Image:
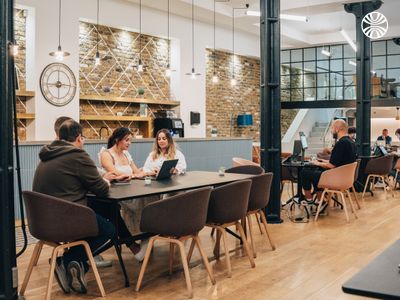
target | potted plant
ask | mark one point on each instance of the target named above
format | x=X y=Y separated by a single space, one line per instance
x=140 y=91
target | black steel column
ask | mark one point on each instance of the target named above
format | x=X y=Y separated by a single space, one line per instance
x=8 y=278
x=270 y=135
x=363 y=55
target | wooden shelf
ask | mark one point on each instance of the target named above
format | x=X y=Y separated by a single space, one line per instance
x=114 y=118
x=25 y=116
x=25 y=93
x=128 y=100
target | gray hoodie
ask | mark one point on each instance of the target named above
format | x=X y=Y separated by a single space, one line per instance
x=67 y=172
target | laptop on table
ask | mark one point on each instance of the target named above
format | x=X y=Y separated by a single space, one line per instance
x=167 y=170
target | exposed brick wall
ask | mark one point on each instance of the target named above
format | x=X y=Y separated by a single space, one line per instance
x=118 y=51
x=20 y=37
x=224 y=102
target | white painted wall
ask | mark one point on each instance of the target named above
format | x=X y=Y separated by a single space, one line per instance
x=123 y=14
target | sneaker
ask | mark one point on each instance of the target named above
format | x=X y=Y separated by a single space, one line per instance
x=76 y=277
x=101 y=262
x=143 y=248
x=61 y=275
x=307 y=202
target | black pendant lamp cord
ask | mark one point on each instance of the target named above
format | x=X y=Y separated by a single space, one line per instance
x=168 y=36
x=140 y=31
x=214 y=42
x=59 y=23
x=97 y=27
x=192 y=34
x=233 y=42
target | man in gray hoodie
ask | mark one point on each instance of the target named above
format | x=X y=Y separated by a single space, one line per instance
x=66 y=171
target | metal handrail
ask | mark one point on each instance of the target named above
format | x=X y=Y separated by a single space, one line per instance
x=323 y=137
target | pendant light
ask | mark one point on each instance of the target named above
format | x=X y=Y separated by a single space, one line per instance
x=215 y=78
x=59 y=54
x=233 y=79
x=97 y=57
x=193 y=74
x=140 y=66
x=168 y=70
x=397 y=114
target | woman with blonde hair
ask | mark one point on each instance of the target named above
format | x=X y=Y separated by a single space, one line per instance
x=164 y=148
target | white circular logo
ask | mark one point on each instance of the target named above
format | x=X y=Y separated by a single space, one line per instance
x=374 y=25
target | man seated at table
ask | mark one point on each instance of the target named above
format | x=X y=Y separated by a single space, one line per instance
x=67 y=172
x=385 y=137
x=343 y=153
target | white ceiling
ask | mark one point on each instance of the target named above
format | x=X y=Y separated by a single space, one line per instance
x=326 y=18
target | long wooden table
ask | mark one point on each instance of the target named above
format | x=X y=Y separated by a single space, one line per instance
x=137 y=189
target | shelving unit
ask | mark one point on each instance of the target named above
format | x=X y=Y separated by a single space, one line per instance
x=101 y=111
x=24 y=116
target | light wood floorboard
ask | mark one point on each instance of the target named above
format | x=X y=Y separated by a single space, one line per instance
x=311 y=261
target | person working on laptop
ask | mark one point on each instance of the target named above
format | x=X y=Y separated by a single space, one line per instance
x=385 y=137
x=343 y=153
x=164 y=148
x=118 y=160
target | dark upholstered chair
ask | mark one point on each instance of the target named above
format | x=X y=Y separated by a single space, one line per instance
x=288 y=175
x=258 y=200
x=174 y=220
x=246 y=169
x=59 y=224
x=228 y=205
x=379 y=168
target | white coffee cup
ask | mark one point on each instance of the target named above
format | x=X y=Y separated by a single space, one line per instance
x=147 y=181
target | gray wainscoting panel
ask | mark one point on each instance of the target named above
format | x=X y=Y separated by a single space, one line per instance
x=200 y=154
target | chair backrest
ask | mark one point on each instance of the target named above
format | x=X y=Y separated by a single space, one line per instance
x=237 y=161
x=288 y=173
x=246 y=169
x=340 y=178
x=397 y=166
x=228 y=203
x=55 y=220
x=380 y=166
x=179 y=215
x=358 y=161
x=260 y=191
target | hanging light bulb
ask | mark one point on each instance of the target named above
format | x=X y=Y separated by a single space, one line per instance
x=97 y=59
x=14 y=48
x=193 y=74
x=397 y=114
x=140 y=66
x=233 y=81
x=215 y=78
x=59 y=54
x=168 y=71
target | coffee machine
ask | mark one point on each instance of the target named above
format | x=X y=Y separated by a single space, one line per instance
x=174 y=125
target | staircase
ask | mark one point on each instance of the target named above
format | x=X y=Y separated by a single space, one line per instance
x=315 y=138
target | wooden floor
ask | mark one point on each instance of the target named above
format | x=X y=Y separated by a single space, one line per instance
x=312 y=261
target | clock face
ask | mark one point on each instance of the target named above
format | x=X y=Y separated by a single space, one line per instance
x=58 y=84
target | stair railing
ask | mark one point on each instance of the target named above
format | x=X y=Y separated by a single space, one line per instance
x=336 y=113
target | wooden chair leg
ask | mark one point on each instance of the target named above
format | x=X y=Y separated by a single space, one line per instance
x=212 y=231
x=355 y=196
x=351 y=204
x=264 y=220
x=367 y=182
x=245 y=244
x=37 y=256
x=320 y=205
x=192 y=244
x=259 y=224
x=185 y=268
x=253 y=246
x=390 y=186
x=34 y=258
x=344 y=205
x=205 y=259
x=145 y=262
x=217 y=245
x=51 y=272
x=94 y=268
x=227 y=256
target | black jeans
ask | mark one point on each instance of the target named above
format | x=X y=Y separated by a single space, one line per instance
x=107 y=210
x=106 y=233
x=310 y=177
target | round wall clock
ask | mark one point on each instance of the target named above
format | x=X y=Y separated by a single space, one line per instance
x=58 y=84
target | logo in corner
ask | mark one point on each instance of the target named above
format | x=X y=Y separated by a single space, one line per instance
x=374 y=25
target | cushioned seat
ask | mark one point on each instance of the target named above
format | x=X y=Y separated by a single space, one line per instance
x=379 y=168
